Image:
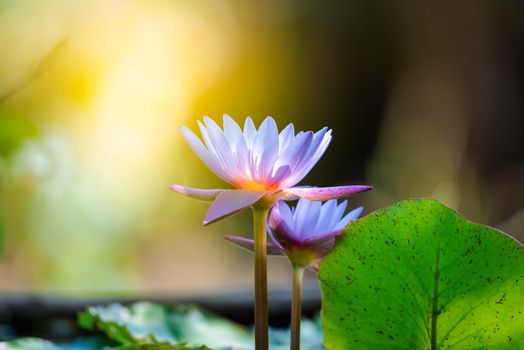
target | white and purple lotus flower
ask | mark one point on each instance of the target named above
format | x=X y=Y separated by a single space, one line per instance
x=262 y=165
x=305 y=233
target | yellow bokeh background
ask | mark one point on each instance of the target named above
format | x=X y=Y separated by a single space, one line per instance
x=92 y=95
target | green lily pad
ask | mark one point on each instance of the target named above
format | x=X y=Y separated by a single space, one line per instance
x=144 y=323
x=151 y=324
x=417 y=275
x=140 y=323
x=87 y=343
x=158 y=347
x=28 y=344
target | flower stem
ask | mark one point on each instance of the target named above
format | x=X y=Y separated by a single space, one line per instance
x=296 y=307
x=261 y=309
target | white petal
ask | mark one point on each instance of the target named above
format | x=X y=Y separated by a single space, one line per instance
x=238 y=144
x=229 y=202
x=232 y=131
x=285 y=212
x=280 y=174
x=310 y=222
x=285 y=137
x=294 y=154
x=249 y=132
x=209 y=158
x=207 y=139
x=336 y=215
x=221 y=146
x=316 y=149
x=265 y=148
x=325 y=214
x=197 y=193
x=300 y=215
x=351 y=216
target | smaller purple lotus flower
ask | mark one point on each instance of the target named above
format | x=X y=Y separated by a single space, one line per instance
x=305 y=233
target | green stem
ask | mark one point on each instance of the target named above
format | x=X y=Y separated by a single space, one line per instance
x=261 y=309
x=296 y=307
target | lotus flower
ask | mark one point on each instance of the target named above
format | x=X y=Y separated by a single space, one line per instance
x=262 y=165
x=305 y=233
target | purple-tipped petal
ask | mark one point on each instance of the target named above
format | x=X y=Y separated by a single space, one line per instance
x=323 y=193
x=323 y=243
x=229 y=202
x=294 y=152
x=280 y=174
x=197 y=193
x=249 y=244
x=279 y=230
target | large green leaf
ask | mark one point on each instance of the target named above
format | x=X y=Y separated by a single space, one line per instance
x=417 y=275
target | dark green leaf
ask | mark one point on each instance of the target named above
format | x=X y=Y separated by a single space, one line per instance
x=419 y=276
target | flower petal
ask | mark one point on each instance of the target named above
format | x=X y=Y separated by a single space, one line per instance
x=323 y=193
x=316 y=149
x=236 y=140
x=249 y=132
x=326 y=212
x=293 y=155
x=229 y=202
x=197 y=193
x=221 y=145
x=249 y=244
x=208 y=157
x=280 y=174
x=280 y=231
x=265 y=149
x=354 y=214
x=285 y=137
x=323 y=243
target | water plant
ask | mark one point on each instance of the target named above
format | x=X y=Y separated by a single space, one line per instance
x=305 y=234
x=414 y=275
x=263 y=165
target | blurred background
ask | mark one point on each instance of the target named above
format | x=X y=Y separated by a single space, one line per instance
x=425 y=100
